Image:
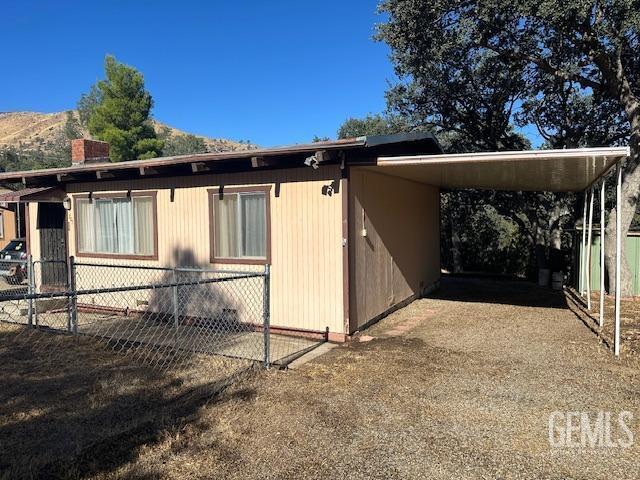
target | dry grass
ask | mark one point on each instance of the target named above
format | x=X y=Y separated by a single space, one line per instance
x=629 y=322
x=70 y=406
x=465 y=393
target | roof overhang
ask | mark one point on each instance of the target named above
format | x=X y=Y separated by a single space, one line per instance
x=357 y=150
x=39 y=194
x=570 y=170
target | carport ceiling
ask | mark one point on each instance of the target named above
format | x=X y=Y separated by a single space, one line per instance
x=536 y=170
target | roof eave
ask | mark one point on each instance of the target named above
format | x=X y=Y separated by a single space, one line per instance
x=238 y=160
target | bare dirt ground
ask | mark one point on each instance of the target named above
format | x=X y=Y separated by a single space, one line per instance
x=460 y=385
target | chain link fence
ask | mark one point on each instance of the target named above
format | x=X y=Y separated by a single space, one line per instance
x=101 y=356
x=13 y=276
x=162 y=317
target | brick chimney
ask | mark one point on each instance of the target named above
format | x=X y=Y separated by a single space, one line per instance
x=84 y=150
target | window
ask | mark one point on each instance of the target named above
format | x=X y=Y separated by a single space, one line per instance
x=117 y=225
x=240 y=225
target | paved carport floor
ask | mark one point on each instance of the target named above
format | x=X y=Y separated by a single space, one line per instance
x=456 y=386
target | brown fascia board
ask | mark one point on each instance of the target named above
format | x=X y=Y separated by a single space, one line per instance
x=242 y=155
x=362 y=147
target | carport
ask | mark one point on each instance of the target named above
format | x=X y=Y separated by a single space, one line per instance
x=570 y=170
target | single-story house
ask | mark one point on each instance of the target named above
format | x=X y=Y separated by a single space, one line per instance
x=350 y=228
x=344 y=244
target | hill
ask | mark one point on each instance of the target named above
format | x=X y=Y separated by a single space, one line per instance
x=30 y=131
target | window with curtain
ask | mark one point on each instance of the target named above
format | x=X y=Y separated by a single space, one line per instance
x=119 y=226
x=240 y=226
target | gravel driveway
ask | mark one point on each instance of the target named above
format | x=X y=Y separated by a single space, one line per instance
x=460 y=385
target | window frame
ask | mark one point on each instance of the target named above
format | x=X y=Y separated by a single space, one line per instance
x=153 y=194
x=220 y=192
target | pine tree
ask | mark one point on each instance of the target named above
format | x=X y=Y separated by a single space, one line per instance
x=120 y=113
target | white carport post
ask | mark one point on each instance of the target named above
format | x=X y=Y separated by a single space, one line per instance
x=602 y=268
x=588 y=257
x=583 y=252
x=616 y=342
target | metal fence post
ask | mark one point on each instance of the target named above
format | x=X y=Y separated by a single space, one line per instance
x=30 y=288
x=265 y=315
x=176 y=321
x=73 y=298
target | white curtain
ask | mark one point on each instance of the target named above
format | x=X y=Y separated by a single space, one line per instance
x=226 y=226
x=123 y=220
x=86 y=239
x=105 y=228
x=119 y=225
x=253 y=225
x=143 y=225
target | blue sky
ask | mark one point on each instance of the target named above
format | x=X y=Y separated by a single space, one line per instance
x=273 y=72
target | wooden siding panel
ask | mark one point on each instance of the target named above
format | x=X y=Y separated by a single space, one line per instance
x=306 y=237
x=400 y=255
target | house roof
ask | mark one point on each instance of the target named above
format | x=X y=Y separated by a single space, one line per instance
x=360 y=149
x=33 y=193
x=569 y=170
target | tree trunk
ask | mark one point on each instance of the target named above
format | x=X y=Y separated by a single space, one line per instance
x=630 y=189
x=455 y=248
x=540 y=247
x=555 y=247
x=555 y=239
x=630 y=186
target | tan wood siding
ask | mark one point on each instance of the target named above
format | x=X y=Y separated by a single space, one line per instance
x=400 y=255
x=306 y=236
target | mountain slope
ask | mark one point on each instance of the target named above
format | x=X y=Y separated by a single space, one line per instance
x=42 y=131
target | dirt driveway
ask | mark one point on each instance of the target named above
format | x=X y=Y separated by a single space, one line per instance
x=460 y=385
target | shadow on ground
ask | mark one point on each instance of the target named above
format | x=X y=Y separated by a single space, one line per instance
x=483 y=290
x=76 y=410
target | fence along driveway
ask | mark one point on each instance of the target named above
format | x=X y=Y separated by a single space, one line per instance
x=163 y=317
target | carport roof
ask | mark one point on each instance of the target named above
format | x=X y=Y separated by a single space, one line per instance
x=571 y=170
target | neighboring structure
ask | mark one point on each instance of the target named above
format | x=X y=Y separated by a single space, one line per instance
x=8 y=219
x=631 y=251
x=7 y=225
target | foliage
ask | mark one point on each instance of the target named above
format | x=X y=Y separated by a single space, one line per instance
x=62 y=143
x=487 y=241
x=117 y=110
x=567 y=117
x=555 y=56
x=373 y=125
x=12 y=160
x=87 y=103
x=181 y=144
